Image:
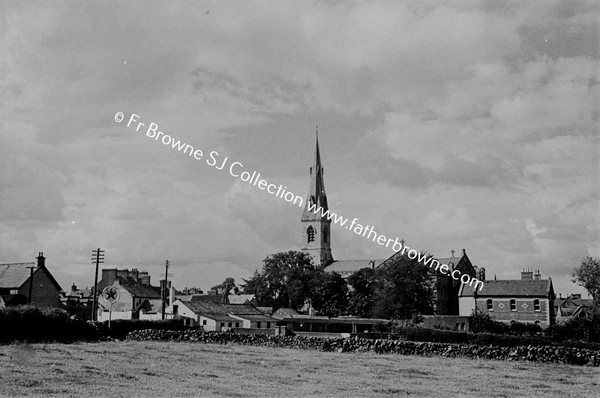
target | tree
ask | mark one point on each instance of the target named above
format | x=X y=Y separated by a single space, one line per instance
x=405 y=290
x=226 y=287
x=285 y=280
x=588 y=276
x=329 y=293
x=364 y=285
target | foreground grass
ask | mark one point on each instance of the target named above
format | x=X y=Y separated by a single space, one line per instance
x=159 y=369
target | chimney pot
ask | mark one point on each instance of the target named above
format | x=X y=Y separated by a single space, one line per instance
x=41 y=260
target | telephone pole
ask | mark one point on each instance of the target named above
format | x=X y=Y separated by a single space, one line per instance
x=165 y=290
x=98 y=258
x=30 y=283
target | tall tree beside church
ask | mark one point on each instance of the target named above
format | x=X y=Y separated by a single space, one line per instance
x=405 y=291
x=588 y=276
x=364 y=285
x=284 y=281
x=329 y=293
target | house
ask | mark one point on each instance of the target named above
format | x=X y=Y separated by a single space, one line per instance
x=78 y=302
x=528 y=300
x=31 y=282
x=572 y=307
x=218 y=317
x=138 y=299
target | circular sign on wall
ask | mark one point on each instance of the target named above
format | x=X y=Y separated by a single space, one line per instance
x=110 y=294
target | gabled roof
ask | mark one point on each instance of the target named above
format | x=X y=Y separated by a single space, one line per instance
x=14 y=275
x=152 y=306
x=510 y=288
x=137 y=289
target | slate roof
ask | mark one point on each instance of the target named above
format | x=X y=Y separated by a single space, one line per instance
x=223 y=311
x=352 y=265
x=510 y=288
x=137 y=289
x=14 y=275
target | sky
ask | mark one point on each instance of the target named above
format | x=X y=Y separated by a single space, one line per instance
x=453 y=125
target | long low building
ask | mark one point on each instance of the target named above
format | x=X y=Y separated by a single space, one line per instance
x=299 y=323
x=218 y=317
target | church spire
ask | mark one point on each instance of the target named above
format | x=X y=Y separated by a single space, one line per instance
x=316 y=189
x=316 y=227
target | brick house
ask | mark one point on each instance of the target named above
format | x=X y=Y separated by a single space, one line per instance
x=22 y=283
x=528 y=300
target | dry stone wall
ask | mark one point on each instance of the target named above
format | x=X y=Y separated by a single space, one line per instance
x=565 y=355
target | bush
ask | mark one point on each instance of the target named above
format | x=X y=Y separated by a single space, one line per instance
x=31 y=324
x=576 y=329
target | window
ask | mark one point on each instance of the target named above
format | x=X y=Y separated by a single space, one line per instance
x=14 y=291
x=204 y=322
x=175 y=308
x=237 y=324
x=258 y=325
x=513 y=305
x=310 y=233
x=536 y=305
x=268 y=325
x=325 y=233
x=229 y=324
x=490 y=305
x=222 y=324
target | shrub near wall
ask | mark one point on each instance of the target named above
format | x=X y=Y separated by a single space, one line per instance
x=33 y=324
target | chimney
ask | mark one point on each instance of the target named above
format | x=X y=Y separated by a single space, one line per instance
x=171 y=295
x=73 y=288
x=537 y=275
x=109 y=276
x=41 y=260
x=144 y=278
x=464 y=252
x=527 y=274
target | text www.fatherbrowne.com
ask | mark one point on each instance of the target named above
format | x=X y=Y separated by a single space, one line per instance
x=236 y=170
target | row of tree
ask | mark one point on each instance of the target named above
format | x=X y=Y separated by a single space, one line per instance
x=291 y=280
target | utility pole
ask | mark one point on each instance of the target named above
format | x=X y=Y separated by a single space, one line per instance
x=98 y=258
x=164 y=290
x=30 y=283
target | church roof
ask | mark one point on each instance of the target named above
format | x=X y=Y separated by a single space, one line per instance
x=510 y=288
x=352 y=265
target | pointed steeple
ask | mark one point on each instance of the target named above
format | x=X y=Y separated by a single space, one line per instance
x=316 y=227
x=316 y=189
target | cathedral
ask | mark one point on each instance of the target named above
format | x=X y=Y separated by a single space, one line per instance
x=316 y=240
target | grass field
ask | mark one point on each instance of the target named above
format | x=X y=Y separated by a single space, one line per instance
x=158 y=369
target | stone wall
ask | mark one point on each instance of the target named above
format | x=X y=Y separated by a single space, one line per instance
x=565 y=355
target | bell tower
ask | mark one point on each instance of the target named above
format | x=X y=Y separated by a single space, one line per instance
x=316 y=227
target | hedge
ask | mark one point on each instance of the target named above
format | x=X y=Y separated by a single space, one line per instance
x=31 y=324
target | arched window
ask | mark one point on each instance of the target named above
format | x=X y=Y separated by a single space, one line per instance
x=310 y=233
x=490 y=305
x=325 y=234
x=513 y=305
x=536 y=305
